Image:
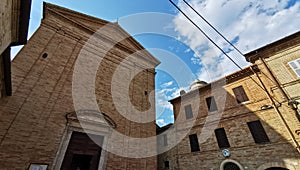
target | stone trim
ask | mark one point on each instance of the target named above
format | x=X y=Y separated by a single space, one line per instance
x=90 y=120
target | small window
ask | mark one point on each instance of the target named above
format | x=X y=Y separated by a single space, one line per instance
x=240 y=94
x=165 y=138
x=188 y=111
x=167 y=164
x=211 y=104
x=295 y=65
x=258 y=132
x=222 y=138
x=45 y=55
x=194 y=143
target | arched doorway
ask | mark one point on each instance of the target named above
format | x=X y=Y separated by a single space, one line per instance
x=276 y=168
x=231 y=166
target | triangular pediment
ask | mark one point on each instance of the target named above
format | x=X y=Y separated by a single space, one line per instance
x=114 y=31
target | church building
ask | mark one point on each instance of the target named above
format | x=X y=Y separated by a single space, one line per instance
x=82 y=90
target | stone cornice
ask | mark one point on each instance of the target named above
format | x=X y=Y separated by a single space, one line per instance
x=274 y=48
x=246 y=72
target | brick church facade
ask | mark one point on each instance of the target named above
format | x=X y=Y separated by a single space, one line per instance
x=41 y=125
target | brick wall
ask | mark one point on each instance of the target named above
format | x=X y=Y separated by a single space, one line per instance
x=33 y=120
x=233 y=118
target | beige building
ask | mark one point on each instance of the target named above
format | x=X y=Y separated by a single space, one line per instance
x=14 y=19
x=79 y=77
x=242 y=121
x=281 y=60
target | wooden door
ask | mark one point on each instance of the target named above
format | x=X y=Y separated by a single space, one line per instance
x=82 y=152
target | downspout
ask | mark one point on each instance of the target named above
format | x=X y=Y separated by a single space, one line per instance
x=291 y=103
x=279 y=114
x=274 y=79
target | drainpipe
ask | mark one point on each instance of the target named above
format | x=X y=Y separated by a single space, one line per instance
x=280 y=115
x=292 y=103
x=274 y=79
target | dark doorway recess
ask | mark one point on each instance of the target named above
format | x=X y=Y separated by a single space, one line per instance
x=231 y=166
x=82 y=152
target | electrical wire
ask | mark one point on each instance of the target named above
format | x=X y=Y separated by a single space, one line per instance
x=218 y=32
x=212 y=41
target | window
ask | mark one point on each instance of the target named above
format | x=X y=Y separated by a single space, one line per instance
x=167 y=164
x=240 y=94
x=222 y=138
x=188 y=111
x=165 y=138
x=258 y=132
x=211 y=104
x=194 y=143
x=295 y=65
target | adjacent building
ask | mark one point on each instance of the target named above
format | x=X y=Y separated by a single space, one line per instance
x=78 y=84
x=14 y=18
x=246 y=120
x=281 y=61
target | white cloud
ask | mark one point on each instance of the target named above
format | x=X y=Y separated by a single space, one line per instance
x=251 y=23
x=164 y=95
x=161 y=122
x=167 y=84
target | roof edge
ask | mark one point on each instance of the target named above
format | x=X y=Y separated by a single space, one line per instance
x=273 y=47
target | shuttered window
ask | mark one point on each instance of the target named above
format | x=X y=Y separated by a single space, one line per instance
x=295 y=65
x=222 y=138
x=194 y=143
x=211 y=104
x=188 y=111
x=167 y=164
x=240 y=94
x=258 y=132
x=165 y=138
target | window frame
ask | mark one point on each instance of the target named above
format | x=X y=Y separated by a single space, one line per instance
x=194 y=143
x=211 y=104
x=297 y=63
x=165 y=140
x=240 y=94
x=167 y=164
x=222 y=138
x=258 y=132
x=188 y=112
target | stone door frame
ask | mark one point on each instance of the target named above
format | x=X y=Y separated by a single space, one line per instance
x=85 y=122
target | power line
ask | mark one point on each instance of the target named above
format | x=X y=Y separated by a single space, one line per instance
x=213 y=28
x=212 y=41
x=230 y=43
x=206 y=35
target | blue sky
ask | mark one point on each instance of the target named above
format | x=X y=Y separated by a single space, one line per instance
x=185 y=53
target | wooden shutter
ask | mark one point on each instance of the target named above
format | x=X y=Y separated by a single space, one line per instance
x=258 y=132
x=165 y=138
x=194 y=143
x=222 y=138
x=211 y=104
x=240 y=94
x=188 y=111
